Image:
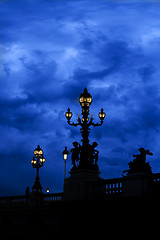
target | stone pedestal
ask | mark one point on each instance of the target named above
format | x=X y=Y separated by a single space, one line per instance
x=36 y=199
x=137 y=184
x=75 y=186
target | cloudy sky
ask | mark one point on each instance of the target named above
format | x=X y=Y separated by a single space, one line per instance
x=50 y=50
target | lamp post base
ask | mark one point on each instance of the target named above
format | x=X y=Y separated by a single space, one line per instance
x=37 y=185
x=75 y=186
x=137 y=184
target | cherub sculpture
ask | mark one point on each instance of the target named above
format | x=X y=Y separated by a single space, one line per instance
x=93 y=154
x=75 y=153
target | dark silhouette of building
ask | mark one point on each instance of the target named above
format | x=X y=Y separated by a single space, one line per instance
x=88 y=204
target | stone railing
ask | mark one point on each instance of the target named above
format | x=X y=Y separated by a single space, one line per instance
x=156 y=177
x=101 y=189
x=156 y=184
x=49 y=198
x=12 y=201
x=104 y=188
x=23 y=201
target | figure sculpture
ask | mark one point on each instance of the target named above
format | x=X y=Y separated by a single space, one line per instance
x=80 y=153
x=139 y=163
x=93 y=154
x=75 y=153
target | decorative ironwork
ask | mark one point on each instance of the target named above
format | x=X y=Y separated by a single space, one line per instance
x=85 y=155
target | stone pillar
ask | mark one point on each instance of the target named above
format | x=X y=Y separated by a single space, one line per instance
x=137 y=184
x=75 y=186
x=36 y=199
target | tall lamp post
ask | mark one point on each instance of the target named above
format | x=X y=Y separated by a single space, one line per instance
x=37 y=162
x=85 y=155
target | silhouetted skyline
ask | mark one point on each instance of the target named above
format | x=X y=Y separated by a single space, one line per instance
x=51 y=51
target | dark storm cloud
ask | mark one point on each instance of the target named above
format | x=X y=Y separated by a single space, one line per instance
x=84 y=74
x=40 y=78
x=146 y=72
x=112 y=54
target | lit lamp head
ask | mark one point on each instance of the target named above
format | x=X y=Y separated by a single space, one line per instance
x=38 y=151
x=68 y=114
x=65 y=153
x=42 y=159
x=33 y=161
x=85 y=98
x=47 y=189
x=102 y=115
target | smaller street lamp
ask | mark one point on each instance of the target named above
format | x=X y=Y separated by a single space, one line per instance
x=65 y=156
x=102 y=115
x=37 y=162
x=68 y=114
x=47 y=189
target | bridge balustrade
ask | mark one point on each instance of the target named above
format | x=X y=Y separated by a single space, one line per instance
x=22 y=201
x=105 y=188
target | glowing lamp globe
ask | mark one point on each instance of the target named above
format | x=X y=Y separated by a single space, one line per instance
x=102 y=114
x=85 y=98
x=38 y=151
x=33 y=162
x=65 y=153
x=42 y=159
x=68 y=114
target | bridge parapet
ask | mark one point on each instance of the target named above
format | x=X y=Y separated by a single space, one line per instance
x=105 y=188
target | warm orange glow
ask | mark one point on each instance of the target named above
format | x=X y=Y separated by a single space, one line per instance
x=81 y=100
x=85 y=98
x=89 y=99
x=86 y=119
x=38 y=151
x=102 y=114
x=42 y=160
x=68 y=114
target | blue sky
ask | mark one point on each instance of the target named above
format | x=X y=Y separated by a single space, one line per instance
x=49 y=52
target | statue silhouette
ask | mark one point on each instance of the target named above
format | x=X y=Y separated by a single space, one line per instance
x=75 y=153
x=93 y=154
x=139 y=163
x=27 y=192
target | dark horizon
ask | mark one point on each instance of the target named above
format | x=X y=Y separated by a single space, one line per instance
x=51 y=51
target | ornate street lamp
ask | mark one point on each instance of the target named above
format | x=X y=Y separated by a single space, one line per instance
x=65 y=156
x=102 y=115
x=37 y=162
x=85 y=155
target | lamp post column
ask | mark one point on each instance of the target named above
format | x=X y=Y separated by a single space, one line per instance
x=37 y=185
x=64 y=169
